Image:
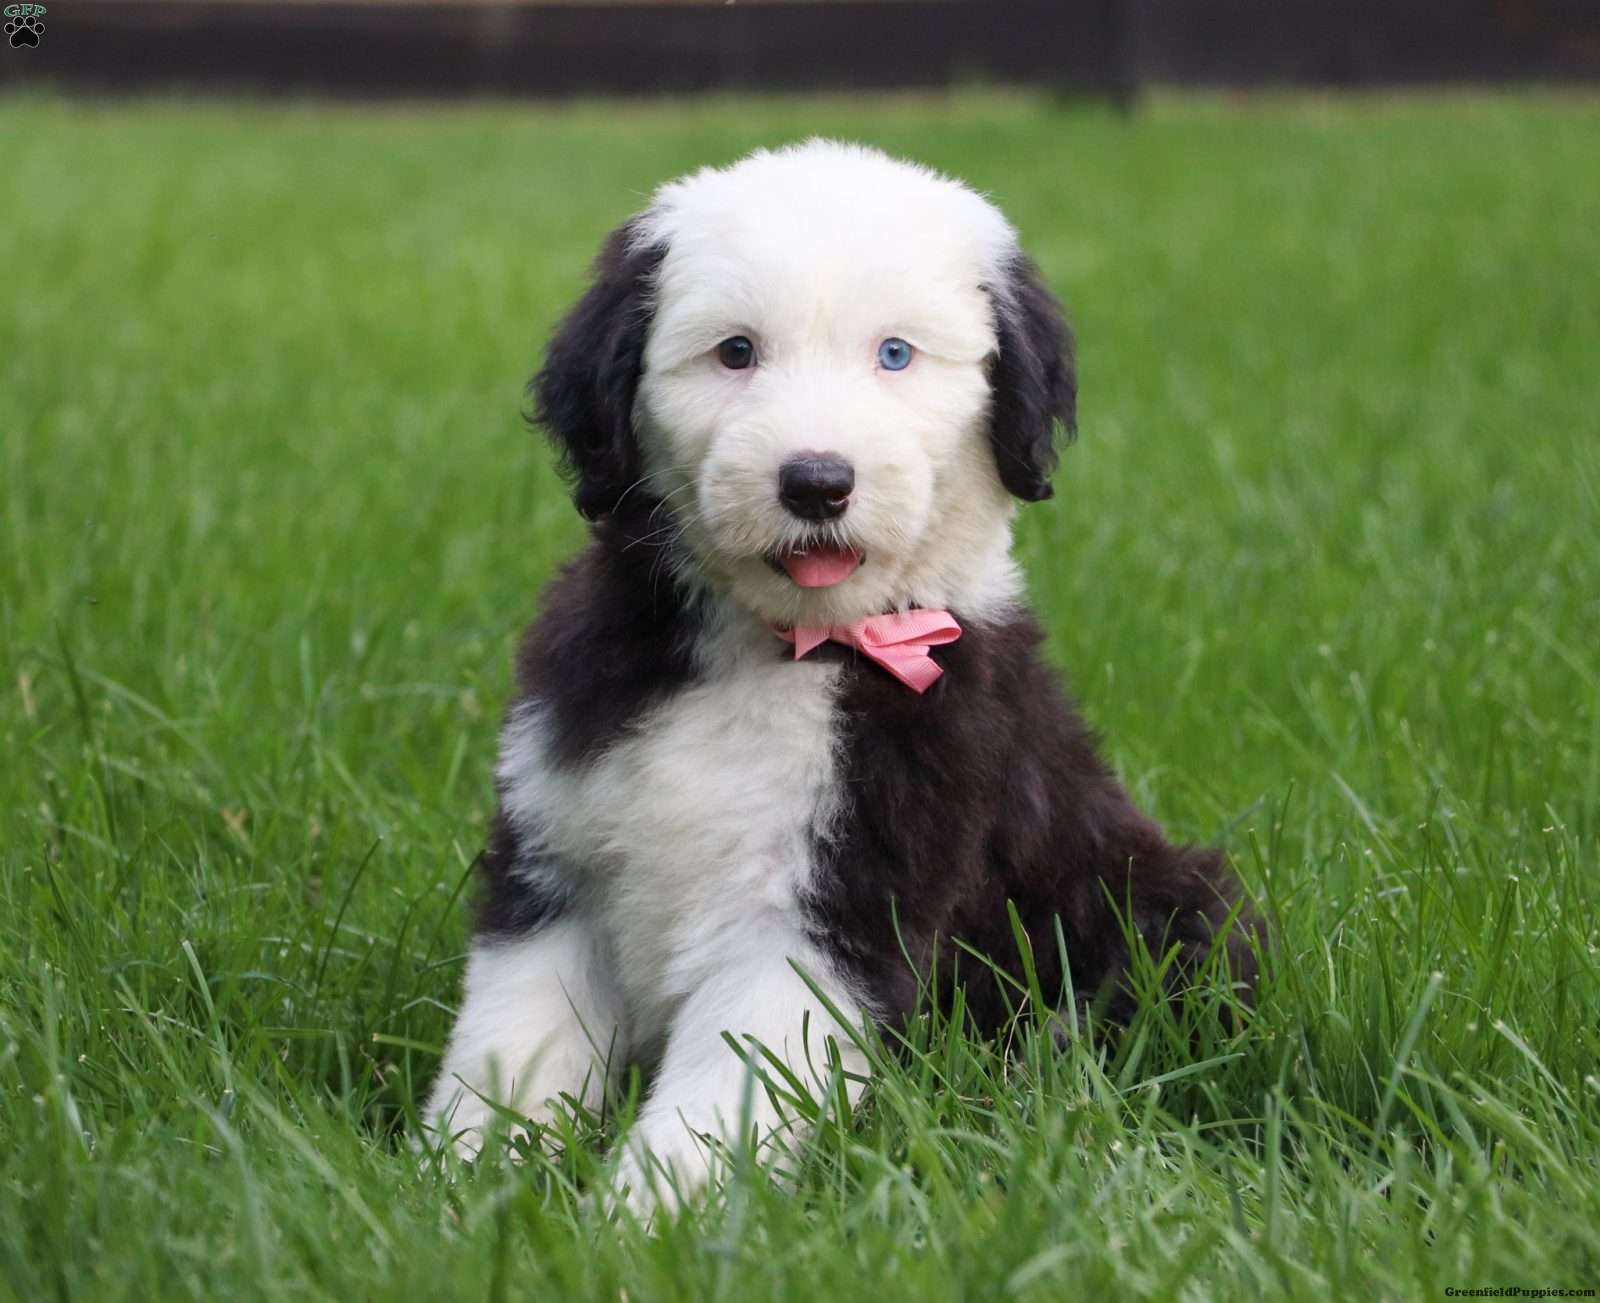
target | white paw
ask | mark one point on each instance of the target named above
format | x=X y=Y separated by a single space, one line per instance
x=661 y=1169
x=469 y=1122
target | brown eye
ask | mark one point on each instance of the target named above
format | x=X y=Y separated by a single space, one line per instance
x=736 y=353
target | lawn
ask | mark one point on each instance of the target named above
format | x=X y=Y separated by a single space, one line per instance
x=1324 y=565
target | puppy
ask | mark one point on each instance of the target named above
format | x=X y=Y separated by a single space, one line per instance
x=784 y=746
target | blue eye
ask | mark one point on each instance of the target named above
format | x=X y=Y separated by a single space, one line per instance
x=894 y=354
x=736 y=353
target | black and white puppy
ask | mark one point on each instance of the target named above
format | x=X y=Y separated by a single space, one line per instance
x=799 y=402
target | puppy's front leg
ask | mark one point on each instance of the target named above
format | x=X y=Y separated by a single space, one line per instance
x=541 y=1017
x=700 y=1090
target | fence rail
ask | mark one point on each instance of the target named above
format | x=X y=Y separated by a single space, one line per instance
x=1099 y=47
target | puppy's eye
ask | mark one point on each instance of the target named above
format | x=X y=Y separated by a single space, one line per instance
x=894 y=354
x=736 y=353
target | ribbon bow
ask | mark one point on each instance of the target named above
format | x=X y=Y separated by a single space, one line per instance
x=898 y=641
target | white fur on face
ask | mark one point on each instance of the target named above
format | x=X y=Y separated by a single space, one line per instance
x=818 y=253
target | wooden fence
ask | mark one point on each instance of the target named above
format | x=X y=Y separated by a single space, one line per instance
x=1097 y=47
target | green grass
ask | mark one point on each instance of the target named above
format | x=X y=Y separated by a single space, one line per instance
x=1325 y=566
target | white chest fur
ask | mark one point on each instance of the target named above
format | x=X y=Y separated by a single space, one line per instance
x=689 y=839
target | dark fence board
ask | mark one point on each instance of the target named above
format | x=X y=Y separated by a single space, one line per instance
x=357 y=49
x=1365 y=42
x=1106 y=47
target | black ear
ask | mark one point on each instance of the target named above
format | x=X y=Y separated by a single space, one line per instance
x=584 y=394
x=1032 y=378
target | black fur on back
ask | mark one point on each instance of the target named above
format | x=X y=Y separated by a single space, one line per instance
x=988 y=788
x=1033 y=379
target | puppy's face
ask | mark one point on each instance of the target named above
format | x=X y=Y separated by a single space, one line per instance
x=832 y=369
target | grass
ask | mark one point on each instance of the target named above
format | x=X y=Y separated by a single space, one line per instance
x=1325 y=566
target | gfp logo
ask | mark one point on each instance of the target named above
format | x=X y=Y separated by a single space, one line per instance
x=25 y=24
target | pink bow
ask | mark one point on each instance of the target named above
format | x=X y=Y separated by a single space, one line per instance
x=898 y=641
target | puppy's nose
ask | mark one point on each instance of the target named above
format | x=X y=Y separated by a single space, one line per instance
x=816 y=485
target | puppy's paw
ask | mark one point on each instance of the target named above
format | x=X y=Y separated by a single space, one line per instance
x=468 y=1123
x=660 y=1170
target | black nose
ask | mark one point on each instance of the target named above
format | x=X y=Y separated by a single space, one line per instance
x=816 y=485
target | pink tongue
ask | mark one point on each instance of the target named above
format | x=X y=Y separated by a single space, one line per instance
x=821 y=567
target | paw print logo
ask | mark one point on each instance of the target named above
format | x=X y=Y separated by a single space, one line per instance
x=25 y=31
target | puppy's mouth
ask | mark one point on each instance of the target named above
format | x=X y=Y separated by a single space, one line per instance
x=817 y=565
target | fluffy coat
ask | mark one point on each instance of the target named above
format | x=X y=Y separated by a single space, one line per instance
x=698 y=833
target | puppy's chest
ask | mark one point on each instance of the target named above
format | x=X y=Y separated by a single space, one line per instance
x=694 y=829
